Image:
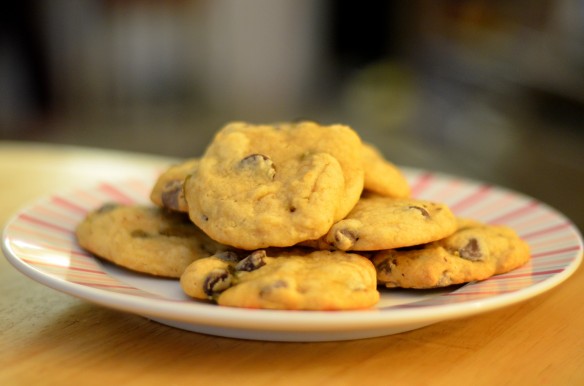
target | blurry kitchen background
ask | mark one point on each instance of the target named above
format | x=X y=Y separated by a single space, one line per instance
x=491 y=90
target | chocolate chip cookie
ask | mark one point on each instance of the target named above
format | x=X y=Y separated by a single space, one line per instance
x=381 y=176
x=168 y=191
x=474 y=252
x=378 y=223
x=284 y=279
x=261 y=186
x=144 y=239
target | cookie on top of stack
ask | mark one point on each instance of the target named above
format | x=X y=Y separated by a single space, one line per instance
x=295 y=216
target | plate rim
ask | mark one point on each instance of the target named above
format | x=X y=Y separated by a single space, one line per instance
x=294 y=321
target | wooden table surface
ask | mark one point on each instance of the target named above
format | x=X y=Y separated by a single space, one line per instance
x=49 y=338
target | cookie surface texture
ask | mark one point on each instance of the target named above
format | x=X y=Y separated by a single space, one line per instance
x=168 y=191
x=259 y=186
x=474 y=252
x=144 y=239
x=378 y=223
x=290 y=280
x=381 y=176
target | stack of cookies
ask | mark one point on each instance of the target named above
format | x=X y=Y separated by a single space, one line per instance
x=295 y=216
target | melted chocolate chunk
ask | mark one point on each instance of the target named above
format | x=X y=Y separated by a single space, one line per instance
x=252 y=262
x=171 y=194
x=217 y=281
x=345 y=239
x=108 y=207
x=386 y=266
x=253 y=159
x=471 y=251
x=422 y=210
x=228 y=256
x=265 y=291
x=259 y=162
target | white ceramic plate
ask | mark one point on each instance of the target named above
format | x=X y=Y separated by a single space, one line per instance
x=39 y=241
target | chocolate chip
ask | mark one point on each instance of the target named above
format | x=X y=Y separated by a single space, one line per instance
x=385 y=266
x=217 y=280
x=266 y=290
x=176 y=232
x=171 y=192
x=345 y=239
x=471 y=251
x=140 y=234
x=252 y=261
x=259 y=162
x=228 y=256
x=107 y=207
x=422 y=210
x=254 y=158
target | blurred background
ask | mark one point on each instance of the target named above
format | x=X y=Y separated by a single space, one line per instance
x=486 y=89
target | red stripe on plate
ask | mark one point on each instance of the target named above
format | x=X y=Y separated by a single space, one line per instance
x=115 y=193
x=527 y=274
x=57 y=216
x=516 y=212
x=472 y=198
x=45 y=224
x=69 y=267
x=546 y=230
x=548 y=253
x=446 y=190
x=37 y=233
x=81 y=253
x=482 y=293
x=106 y=285
x=555 y=241
x=421 y=183
x=490 y=207
x=68 y=204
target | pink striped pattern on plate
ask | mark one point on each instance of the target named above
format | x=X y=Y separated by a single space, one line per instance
x=555 y=243
x=42 y=237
